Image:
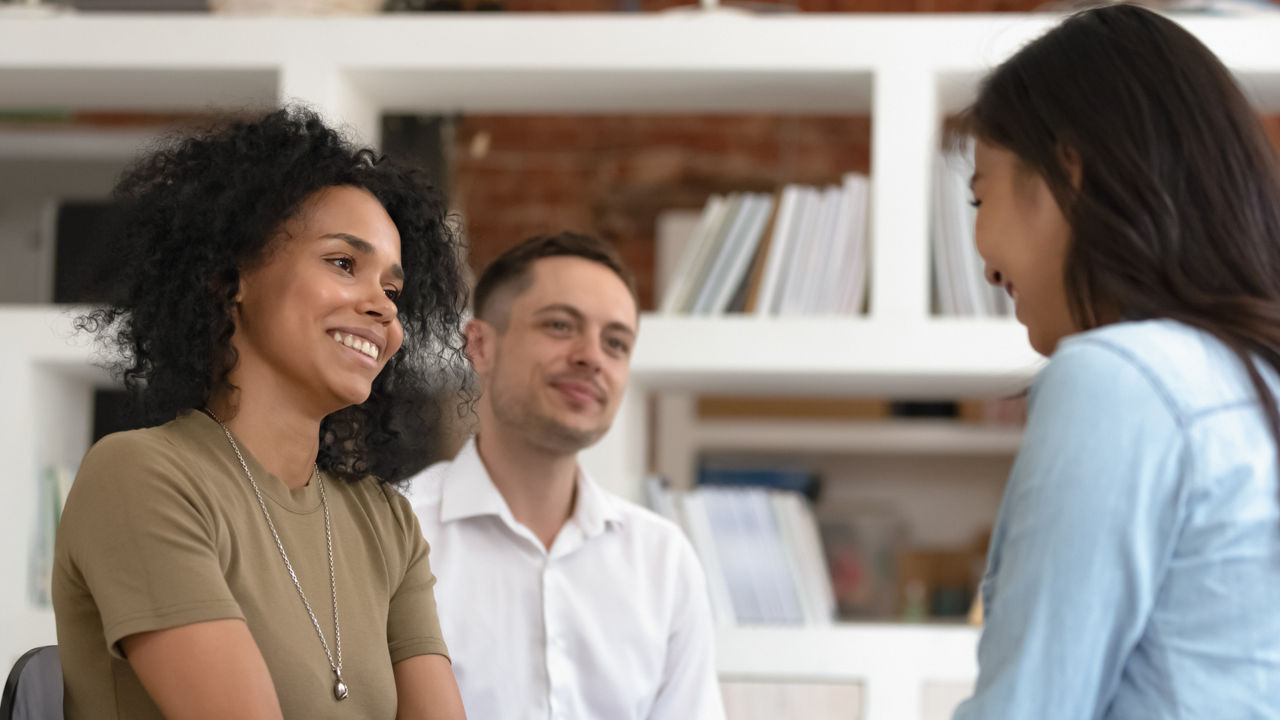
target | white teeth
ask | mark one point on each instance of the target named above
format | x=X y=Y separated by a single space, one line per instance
x=356 y=343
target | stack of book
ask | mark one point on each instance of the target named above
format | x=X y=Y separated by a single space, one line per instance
x=761 y=551
x=960 y=286
x=800 y=252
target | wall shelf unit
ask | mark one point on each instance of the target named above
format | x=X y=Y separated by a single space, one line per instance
x=907 y=72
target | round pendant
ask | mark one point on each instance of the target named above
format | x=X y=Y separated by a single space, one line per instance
x=339 y=689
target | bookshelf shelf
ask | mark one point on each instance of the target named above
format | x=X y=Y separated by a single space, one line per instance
x=874 y=357
x=860 y=437
x=78 y=145
x=907 y=72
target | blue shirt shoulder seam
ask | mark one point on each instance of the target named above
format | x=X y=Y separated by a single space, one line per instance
x=1153 y=379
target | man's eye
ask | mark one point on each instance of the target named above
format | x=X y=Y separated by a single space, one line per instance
x=975 y=202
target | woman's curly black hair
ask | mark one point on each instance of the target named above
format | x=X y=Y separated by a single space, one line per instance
x=204 y=208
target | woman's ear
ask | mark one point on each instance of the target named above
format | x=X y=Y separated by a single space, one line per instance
x=1070 y=160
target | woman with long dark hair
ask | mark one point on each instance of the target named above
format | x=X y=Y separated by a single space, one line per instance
x=284 y=298
x=1129 y=201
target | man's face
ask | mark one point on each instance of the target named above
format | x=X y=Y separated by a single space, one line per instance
x=556 y=373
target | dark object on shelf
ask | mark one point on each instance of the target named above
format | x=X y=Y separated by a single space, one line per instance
x=442 y=6
x=114 y=411
x=84 y=258
x=924 y=409
x=423 y=141
x=140 y=5
x=801 y=481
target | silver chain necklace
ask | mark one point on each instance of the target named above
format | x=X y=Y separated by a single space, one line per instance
x=339 y=687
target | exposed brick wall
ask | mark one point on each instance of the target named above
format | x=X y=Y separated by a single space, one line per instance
x=613 y=175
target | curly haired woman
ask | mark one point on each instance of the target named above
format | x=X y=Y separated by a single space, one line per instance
x=283 y=295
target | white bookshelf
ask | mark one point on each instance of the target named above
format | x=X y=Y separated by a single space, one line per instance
x=906 y=71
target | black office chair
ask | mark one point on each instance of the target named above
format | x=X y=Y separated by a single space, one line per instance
x=34 y=688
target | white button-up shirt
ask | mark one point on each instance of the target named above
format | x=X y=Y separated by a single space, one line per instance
x=611 y=623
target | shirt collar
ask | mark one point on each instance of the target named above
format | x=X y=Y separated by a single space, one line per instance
x=468 y=492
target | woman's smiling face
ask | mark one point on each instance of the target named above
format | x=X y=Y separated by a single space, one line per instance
x=318 y=317
x=1023 y=237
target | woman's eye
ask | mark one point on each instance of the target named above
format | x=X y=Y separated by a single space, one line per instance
x=345 y=264
x=975 y=202
x=392 y=294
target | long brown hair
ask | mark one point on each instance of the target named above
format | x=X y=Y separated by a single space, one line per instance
x=1177 y=211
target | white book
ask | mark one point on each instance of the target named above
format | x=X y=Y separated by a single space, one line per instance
x=834 y=278
x=857 y=264
x=806 y=539
x=778 y=580
x=698 y=526
x=798 y=269
x=710 y=249
x=942 y=261
x=823 y=248
x=717 y=273
x=694 y=247
x=753 y=542
x=792 y=552
x=744 y=250
x=775 y=263
x=733 y=544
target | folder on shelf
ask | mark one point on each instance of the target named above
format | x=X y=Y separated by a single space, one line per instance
x=780 y=250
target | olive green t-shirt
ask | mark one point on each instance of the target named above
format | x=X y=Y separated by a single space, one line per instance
x=162 y=529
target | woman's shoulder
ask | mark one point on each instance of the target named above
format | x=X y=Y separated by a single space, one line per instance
x=138 y=454
x=1183 y=366
x=382 y=502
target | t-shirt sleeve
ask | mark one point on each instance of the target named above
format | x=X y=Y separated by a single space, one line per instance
x=413 y=627
x=143 y=541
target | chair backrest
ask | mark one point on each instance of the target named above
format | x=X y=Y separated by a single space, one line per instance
x=34 y=688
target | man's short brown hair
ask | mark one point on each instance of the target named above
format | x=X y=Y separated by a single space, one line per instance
x=510 y=272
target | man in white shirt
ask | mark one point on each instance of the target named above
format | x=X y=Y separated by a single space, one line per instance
x=558 y=599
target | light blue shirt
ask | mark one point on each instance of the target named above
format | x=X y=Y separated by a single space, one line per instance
x=1134 y=569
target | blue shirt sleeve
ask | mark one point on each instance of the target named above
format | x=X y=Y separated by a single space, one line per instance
x=1084 y=534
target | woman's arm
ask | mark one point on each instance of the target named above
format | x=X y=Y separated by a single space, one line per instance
x=204 y=671
x=427 y=690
